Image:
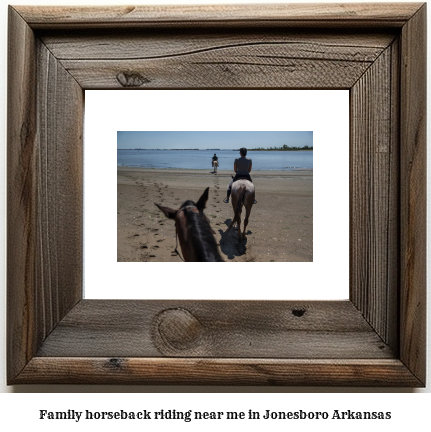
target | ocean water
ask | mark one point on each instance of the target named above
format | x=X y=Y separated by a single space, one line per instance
x=201 y=159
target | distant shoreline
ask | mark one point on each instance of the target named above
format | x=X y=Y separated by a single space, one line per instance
x=201 y=159
x=235 y=150
x=220 y=171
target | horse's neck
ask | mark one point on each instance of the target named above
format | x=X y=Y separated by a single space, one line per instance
x=204 y=244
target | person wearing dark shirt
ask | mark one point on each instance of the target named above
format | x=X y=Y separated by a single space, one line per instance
x=242 y=167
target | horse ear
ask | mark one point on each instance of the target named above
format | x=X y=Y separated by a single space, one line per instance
x=170 y=213
x=203 y=200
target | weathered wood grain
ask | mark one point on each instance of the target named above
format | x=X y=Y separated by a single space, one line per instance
x=251 y=66
x=140 y=44
x=233 y=70
x=413 y=194
x=210 y=60
x=45 y=106
x=227 y=329
x=301 y=15
x=329 y=372
x=21 y=197
x=59 y=184
x=374 y=194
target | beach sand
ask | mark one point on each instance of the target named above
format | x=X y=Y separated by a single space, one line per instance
x=280 y=228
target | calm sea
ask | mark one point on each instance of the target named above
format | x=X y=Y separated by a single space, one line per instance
x=201 y=159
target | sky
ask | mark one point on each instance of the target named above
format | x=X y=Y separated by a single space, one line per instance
x=211 y=140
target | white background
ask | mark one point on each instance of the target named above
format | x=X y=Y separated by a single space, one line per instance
x=21 y=410
x=326 y=113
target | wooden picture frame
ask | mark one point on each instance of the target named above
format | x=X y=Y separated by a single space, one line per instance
x=376 y=338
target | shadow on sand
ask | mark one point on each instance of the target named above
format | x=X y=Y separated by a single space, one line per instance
x=229 y=244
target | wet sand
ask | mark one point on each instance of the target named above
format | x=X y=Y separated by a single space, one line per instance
x=280 y=228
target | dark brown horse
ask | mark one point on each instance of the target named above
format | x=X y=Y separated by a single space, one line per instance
x=194 y=231
x=242 y=195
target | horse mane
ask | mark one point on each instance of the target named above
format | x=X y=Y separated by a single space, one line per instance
x=200 y=234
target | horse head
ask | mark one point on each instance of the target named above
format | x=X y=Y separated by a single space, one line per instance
x=193 y=229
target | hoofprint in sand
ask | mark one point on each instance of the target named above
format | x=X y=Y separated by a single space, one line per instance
x=280 y=228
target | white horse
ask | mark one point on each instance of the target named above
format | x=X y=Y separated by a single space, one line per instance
x=215 y=165
x=243 y=194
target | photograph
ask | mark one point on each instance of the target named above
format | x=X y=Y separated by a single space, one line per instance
x=214 y=196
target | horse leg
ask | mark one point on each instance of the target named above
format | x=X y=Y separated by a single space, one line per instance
x=239 y=225
x=234 y=200
x=229 y=227
x=247 y=214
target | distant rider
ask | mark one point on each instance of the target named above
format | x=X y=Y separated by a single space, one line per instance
x=215 y=158
x=242 y=168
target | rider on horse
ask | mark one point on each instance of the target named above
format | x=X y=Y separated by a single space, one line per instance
x=242 y=168
x=215 y=158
